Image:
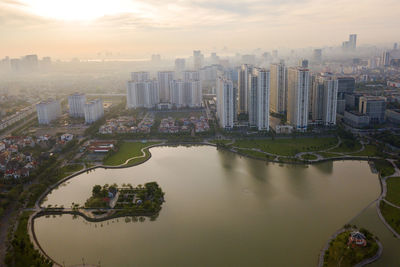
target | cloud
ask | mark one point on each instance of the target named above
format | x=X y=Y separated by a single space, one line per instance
x=209 y=23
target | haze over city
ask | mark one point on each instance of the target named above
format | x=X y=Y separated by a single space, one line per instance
x=199 y=133
x=136 y=29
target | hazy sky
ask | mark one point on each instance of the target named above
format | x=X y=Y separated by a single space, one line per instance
x=138 y=28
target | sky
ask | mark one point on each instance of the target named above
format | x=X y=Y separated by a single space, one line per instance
x=139 y=28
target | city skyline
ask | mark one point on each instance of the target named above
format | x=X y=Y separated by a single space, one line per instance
x=137 y=29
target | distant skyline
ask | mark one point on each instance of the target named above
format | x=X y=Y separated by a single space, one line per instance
x=73 y=28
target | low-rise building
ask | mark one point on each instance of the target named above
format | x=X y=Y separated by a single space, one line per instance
x=356 y=119
x=67 y=137
x=374 y=107
x=101 y=146
x=278 y=127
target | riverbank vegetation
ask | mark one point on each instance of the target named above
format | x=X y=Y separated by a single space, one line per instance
x=341 y=253
x=127 y=150
x=393 y=190
x=142 y=199
x=309 y=157
x=101 y=196
x=127 y=199
x=22 y=252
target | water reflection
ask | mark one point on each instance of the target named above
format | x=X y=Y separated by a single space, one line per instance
x=236 y=211
x=324 y=167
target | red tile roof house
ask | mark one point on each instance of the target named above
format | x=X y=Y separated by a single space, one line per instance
x=357 y=239
x=101 y=146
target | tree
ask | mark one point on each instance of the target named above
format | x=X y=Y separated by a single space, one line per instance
x=96 y=190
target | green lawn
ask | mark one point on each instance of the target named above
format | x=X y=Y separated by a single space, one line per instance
x=328 y=155
x=393 y=190
x=288 y=147
x=221 y=141
x=384 y=167
x=256 y=154
x=309 y=157
x=369 y=150
x=339 y=254
x=71 y=168
x=128 y=150
x=392 y=215
x=347 y=146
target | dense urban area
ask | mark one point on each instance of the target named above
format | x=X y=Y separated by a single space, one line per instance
x=59 y=118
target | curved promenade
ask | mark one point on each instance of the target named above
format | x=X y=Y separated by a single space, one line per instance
x=40 y=211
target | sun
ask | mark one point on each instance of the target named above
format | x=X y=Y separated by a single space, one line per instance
x=78 y=10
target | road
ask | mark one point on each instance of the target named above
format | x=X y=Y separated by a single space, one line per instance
x=9 y=131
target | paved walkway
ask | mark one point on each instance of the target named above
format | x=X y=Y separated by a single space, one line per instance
x=383 y=196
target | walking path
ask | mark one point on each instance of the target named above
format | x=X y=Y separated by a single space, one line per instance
x=383 y=196
x=38 y=208
x=377 y=201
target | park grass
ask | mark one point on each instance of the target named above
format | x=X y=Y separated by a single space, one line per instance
x=309 y=157
x=347 y=147
x=392 y=215
x=126 y=151
x=288 y=147
x=393 y=190
x=71 y=168
x=328 y=155
x=221 y=141
x=369 y=151
x=384 y=167
x=339 y=254
x=256 y=154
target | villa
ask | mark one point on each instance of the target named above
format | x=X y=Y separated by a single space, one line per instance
x=357 y=239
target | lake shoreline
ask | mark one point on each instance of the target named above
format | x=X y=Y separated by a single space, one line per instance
x=39 y=210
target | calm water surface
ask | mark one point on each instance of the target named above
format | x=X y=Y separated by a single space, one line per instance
x=220 y=210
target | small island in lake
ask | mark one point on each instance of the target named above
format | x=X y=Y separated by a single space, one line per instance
x=351 y=247
x=140 y=200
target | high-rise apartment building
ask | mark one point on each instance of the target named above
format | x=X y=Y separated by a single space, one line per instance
x=259 y=81
x=243 y=85
x=164 y=80
x=385 y=60
x=48 y=110
x=278 y=87
x=140 y=76
x=346 y=85
x=142 y=94
x=76 y=102
x=298 y=89
x=351 y=44
x=180 y=65
x=198 y=59
x=324 y=91
x=353 y=41
x=225 y=103
x=190 y=75
x=186 y=93
x=93 y=110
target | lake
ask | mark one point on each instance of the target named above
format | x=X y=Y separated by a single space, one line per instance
x=221 y=209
